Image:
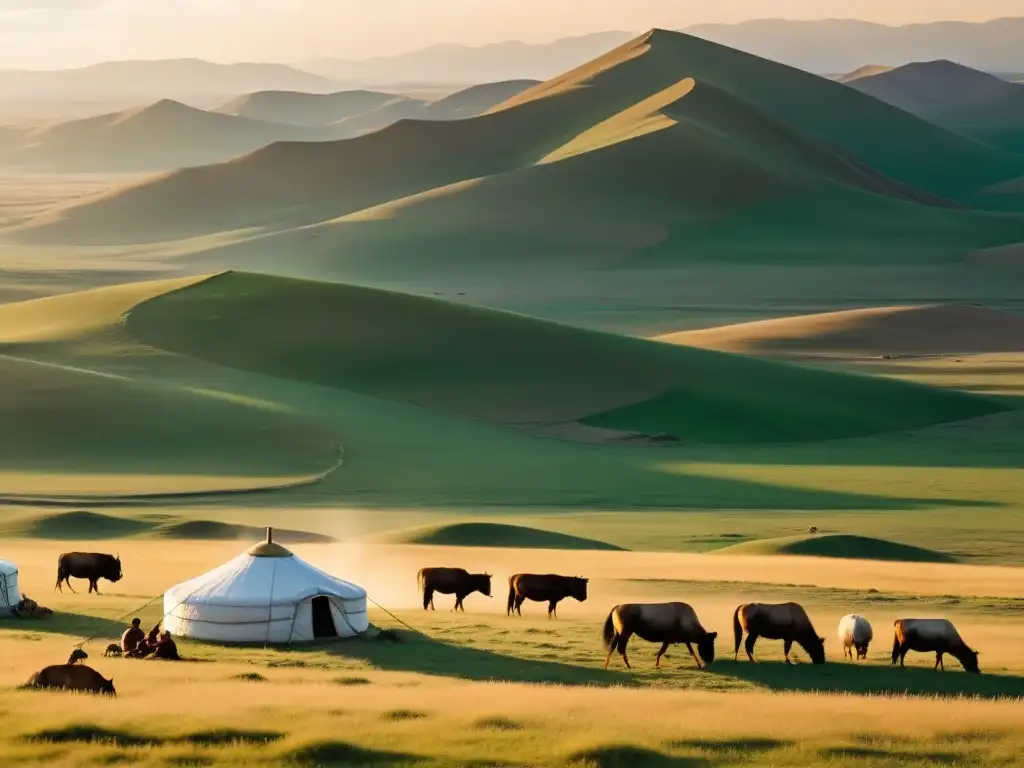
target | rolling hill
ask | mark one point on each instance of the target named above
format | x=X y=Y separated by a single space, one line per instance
x=868 y=70
x=312 y=109
x=628 y=130
x=512 y=369
x=145 y=81
x=909 y=331
x=354 y=112
x=975 y=103
x=161 y=136
x=842 y=546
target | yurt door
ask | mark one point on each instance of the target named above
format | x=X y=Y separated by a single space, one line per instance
x=323 y=623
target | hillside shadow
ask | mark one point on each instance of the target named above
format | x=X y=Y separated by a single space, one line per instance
x=415 y=652
x=60 y=623
x=626 y=756
x=870 y=680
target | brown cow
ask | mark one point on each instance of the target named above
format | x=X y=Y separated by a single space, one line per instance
x=927 y=635
x=451 y=581
x=72 y=677
x=787 y=622
x=664 y=623
x=548 y=588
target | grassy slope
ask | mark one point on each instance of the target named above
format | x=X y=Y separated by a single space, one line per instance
x=506 y=367
x=841 y=546
x=912 y=330
x=295 y=183
x=494 y=535
x=69 y=432
x=307 y=108
x=977 y=104
x=164 y=135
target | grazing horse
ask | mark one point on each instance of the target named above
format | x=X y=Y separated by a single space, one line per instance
x=787 y=622
x=72 y=677
x=938 y=635
x=855 y=634
x=664 y=623
x=452 y=581
x=548 y=588
x=87 y=565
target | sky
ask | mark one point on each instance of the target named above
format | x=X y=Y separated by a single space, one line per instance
x=52 y=34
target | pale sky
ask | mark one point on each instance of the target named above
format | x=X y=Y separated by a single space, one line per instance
x=49 y=34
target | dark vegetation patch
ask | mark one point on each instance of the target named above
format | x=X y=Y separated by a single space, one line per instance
x=625 y=756
x=498 y=724
x=250 y=677
x=746 y=746
x=399 y=715
x=221 y=737
x=321 y=754
x=871 y=753
x=351 y=681
x=93 y=734
x=189 y=761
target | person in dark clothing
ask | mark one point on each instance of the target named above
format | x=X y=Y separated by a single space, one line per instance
x=166 y=648
x=132 y=637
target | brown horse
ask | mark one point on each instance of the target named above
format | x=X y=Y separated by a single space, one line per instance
x=664 y=623
x=938 y=635
x=787 y=622
x=548 y=588
x=451 y=581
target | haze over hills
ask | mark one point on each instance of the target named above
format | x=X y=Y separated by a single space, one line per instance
x=978 y=104
x=143 y=81
x=161 y=136
x=669 y=131
x=354 y=112
x=867 y=70
x=824 y=47
x=842 y=45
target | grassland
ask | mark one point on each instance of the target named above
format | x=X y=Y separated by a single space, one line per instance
x=668 y=186
x=536 y=686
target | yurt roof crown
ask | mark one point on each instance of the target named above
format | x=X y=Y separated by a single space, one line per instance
x=269 y=548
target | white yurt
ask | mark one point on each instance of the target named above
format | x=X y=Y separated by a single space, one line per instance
x=10 y=595
x=265 y=595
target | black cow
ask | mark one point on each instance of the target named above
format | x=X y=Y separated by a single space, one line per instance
x=548 y=588
x=87 y=565
x=452 y=581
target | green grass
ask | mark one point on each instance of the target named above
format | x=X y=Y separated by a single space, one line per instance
x=66 y=428
x=839 y=545
x=510 y=368
x=91 y=526
x=495 y=535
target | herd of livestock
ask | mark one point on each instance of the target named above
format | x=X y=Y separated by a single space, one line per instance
x=671 y=623
x=665 y=623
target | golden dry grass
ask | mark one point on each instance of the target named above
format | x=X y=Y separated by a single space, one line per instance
x=354 y=704
x=904 y=330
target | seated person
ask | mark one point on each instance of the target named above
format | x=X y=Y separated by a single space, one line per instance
x=166 y=648
x=132 y=637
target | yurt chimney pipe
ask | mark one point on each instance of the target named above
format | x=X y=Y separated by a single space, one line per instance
x=270 y=535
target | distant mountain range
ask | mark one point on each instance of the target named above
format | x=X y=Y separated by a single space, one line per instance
x=144 y=81
x=823 y=47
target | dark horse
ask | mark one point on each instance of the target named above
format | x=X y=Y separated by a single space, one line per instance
x=664 y=623
x=548 y=588
x=787 y=622
x=87 y=565
x=452 y=581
